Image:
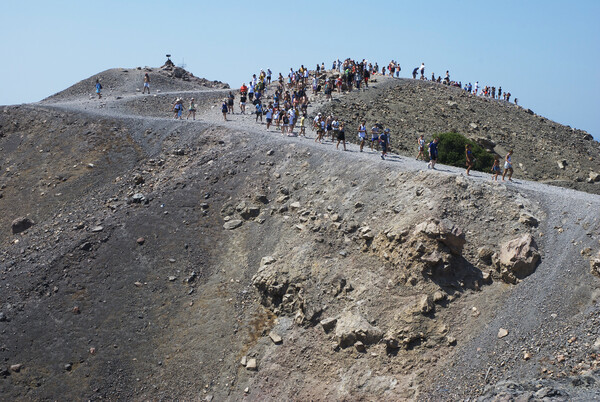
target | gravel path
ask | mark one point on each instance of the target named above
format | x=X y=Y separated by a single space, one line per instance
x=539 y=312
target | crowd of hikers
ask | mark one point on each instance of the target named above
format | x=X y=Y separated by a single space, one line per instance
x=286 y=109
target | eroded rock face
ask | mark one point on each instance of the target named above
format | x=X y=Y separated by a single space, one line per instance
x=517 y=258
x=278 y=286
x=444 y=231
x=352 y=327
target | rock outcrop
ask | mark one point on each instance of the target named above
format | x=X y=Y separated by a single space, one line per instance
x=517 y=258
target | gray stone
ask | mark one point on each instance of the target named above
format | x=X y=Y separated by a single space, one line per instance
x=252 y=365
x=232 y=224
x=502 y=333
x=97 y=229
x=21 y=224
x=352 y=327
x=445 y=232
x=426 y=305
x=517 y=258
x=328 y=324
x=595 y=265
x=276 y=338
x=528 y=220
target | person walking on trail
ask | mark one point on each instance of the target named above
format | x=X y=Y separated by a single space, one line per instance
x=433 y=154
x=224 y=109
x=341 y=137
x=259 y=111
x=191 y=110
x=269 y=115
x=496 y=168
x=375 y=135
x=362 y=134
x=146 y=84
x=422 y=71
x=384 y=139
x=178 y=109
x=230 y=99
x=470 y=159
x=421 y=147
x=508 y=167
x=98 y=88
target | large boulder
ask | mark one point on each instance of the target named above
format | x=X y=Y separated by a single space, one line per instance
x=21 y=224
x=517 y=258
x=443 y=231
x=352 y=327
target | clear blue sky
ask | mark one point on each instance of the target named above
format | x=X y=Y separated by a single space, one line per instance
x=545 y=52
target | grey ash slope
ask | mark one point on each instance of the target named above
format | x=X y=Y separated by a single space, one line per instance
x=172 y=315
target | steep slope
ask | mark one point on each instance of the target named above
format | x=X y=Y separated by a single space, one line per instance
x=164 y=253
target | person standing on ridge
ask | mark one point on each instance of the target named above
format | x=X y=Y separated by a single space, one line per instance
x=422 y=71
x=508 y=166
x=224 y=109
x=191 y=110
x=146 y=84
x=470 y=160
x=433 y=154
x=98 y=88
x=421 y=147
x=362 y=134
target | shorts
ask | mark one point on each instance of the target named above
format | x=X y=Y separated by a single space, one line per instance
x=269 y=120
x=146 y=85
x=361 y=136
x=242 y=103
x=230 y=102
x=192 y=110
x=507 y=165
x=433 y=156
x=496 y=169
x=374 y=138
x=341 y=136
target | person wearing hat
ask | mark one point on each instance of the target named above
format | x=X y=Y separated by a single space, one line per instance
x=178 y=108
x=192 y=110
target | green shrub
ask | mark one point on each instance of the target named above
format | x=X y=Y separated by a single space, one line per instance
x=451 y=151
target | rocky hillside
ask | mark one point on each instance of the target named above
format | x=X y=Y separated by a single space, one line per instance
x=145 y=258
x=121 y=81
x=543 y=149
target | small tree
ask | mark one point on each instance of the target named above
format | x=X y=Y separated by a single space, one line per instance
x=451 y=151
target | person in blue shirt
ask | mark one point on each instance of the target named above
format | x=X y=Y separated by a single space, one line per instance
x=98 y=88
x=259 y=111
x=433 y=153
